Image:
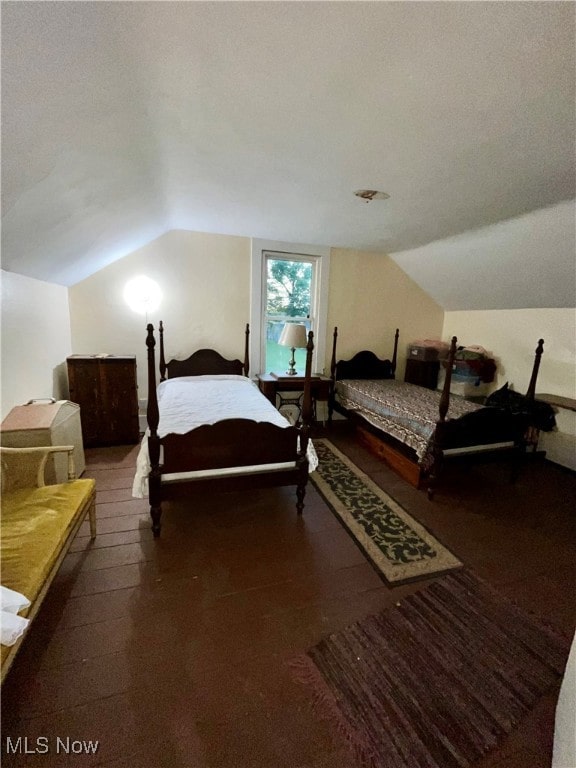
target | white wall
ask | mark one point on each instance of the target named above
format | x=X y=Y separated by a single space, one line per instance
x=523 y=262
x=35 y=340
x=512 y=336
x=564 y=755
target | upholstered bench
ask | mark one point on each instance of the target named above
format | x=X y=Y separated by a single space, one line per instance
x=38 y=523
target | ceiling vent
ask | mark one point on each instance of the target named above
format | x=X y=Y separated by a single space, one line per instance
x=371 y=194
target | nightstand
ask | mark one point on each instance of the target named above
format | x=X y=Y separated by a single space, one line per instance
x=275 y=386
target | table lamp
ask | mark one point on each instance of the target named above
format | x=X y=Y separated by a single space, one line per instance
x=294 y=336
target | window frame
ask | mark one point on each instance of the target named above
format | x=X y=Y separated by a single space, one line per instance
x=291 y=252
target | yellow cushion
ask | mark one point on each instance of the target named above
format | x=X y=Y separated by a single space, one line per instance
x=35 y=523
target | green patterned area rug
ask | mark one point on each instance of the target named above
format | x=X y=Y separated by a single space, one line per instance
x=399 y=547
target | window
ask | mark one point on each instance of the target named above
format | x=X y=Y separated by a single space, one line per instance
x=289 y=284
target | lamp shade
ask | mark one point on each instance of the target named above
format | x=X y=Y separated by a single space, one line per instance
x=293 y=335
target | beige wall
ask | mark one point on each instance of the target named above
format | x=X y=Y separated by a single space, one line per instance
x=512 y=335
x=370 y=296
x=205 y=282
x=35 y=340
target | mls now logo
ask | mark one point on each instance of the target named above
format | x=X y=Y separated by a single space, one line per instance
x=41 y=745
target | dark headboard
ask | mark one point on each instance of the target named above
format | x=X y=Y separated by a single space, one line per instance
x=364 y=364
x=203 y=362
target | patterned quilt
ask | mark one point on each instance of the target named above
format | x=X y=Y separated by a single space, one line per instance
x=405 y=411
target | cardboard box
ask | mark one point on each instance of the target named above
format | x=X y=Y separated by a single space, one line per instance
x=422 y=353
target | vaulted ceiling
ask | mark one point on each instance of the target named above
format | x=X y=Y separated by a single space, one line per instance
x=122 y=120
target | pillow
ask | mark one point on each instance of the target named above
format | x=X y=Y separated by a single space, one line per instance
x=11 y=627
x=204 y=377
x=208 y=376
x=11 y=601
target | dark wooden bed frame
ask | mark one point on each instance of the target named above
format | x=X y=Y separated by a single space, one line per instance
x=482 y=427
x=225 y=444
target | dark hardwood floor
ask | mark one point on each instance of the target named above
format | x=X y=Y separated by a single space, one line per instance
x=172 y=653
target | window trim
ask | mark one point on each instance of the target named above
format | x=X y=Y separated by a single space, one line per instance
x=322 y=253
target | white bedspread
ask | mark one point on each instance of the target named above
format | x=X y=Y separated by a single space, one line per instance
x=188 y=402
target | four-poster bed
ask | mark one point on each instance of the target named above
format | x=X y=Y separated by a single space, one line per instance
x=208 y=424
x=415 y=429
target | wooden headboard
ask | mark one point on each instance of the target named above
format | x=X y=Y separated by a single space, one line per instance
x=364 y=364
x=203 y=361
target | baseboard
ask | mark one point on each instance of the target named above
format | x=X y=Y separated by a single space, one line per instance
x=561 y=467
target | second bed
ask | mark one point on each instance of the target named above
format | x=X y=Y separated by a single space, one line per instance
x=414 y=428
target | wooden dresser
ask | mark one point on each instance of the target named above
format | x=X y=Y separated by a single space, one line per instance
x=105 y=388
x=422 y=372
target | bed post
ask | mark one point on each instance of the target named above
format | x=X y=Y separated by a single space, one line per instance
x=246 y=350
x=530 y=394
x=162 y=359
x=332 y=394
x=305 y=428
x=395 y=355
x=153 y=417
x=438 y=440
x=445 y=398
x=307 y=397
x=531 y=434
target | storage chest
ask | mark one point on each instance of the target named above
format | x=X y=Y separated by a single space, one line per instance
x=53 y=422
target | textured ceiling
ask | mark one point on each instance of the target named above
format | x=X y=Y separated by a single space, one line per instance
x=121 y=121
